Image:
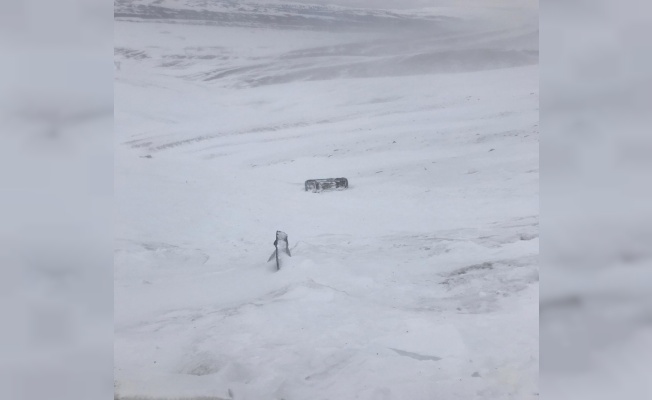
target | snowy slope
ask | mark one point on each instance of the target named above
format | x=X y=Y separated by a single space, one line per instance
x=420 y=281
x=270 y=14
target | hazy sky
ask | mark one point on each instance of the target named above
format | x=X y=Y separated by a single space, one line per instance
x=427 y=3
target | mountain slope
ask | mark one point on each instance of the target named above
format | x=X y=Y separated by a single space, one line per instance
x=420 y=281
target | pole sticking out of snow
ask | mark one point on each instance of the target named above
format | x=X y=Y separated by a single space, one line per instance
x=281 y=243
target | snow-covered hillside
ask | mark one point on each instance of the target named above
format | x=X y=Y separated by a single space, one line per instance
x=420 y=281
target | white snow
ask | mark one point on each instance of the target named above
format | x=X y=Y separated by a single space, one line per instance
x=419 y=281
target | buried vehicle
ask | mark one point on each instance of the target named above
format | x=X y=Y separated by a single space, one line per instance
x=318 y=185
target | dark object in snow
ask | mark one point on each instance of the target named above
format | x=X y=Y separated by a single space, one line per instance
x=281 y=243
x=317 y=185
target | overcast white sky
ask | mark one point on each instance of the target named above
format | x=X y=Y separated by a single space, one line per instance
x=533 y=4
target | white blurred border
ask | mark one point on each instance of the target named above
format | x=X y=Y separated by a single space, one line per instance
x=56 y=169
x=596 y=303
